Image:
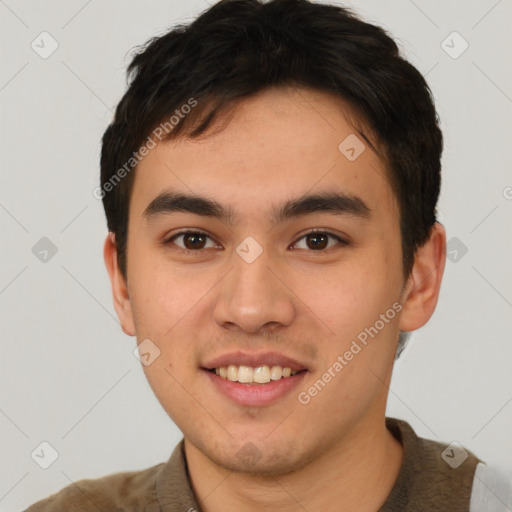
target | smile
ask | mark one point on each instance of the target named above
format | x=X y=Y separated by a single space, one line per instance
x=248 y=375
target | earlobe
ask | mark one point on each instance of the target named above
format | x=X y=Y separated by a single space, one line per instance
x=122 y=303
x=421 y=292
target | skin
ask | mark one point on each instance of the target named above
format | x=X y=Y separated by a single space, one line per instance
x=293 y=299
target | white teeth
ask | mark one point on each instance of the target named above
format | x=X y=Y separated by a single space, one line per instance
x=276 y=372
x=260 y=374
x=245 y=374
x=232 y=373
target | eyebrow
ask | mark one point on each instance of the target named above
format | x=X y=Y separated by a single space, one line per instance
x=336 y=203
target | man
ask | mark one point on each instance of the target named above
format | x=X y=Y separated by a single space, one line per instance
x=270 y=183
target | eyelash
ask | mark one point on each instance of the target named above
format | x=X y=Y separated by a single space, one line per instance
x=170 y=240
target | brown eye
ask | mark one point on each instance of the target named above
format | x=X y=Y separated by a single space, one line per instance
x=191 y=241
x=194 y=241
x=319 y=241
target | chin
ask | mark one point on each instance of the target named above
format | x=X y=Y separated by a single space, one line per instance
x=260 y=458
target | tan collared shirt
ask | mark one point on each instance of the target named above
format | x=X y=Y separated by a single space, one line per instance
x=426 y=482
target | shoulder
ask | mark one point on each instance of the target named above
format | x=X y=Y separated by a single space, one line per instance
x=492 y=489
x=434 y=475
x=112 y=492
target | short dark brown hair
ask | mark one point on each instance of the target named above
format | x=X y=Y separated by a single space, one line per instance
x=238 y=48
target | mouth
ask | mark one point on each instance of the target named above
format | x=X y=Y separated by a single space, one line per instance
x=260 y=375
x=254 y=380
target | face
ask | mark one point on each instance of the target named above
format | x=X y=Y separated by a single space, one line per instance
x=278 y=281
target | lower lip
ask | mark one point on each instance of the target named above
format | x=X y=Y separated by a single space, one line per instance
x=256 y=394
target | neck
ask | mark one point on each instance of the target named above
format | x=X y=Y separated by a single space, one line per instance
x=356 y=474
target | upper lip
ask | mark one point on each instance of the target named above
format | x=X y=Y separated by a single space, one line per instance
x=254 y=360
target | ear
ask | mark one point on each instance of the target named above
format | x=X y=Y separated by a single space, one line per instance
x=122 y=302
x=419 y=298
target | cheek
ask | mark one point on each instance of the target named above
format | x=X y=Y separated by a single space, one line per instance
x=161 y=295
x=168 y=308
x=347 y=304
x=349 y=297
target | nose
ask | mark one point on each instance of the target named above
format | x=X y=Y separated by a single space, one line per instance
x=254 y=297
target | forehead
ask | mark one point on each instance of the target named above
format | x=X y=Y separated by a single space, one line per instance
x=280 y=144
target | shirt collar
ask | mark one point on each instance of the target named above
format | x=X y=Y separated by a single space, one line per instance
x=174 y=488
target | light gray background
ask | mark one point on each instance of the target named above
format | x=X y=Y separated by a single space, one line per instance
x=68 y=374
